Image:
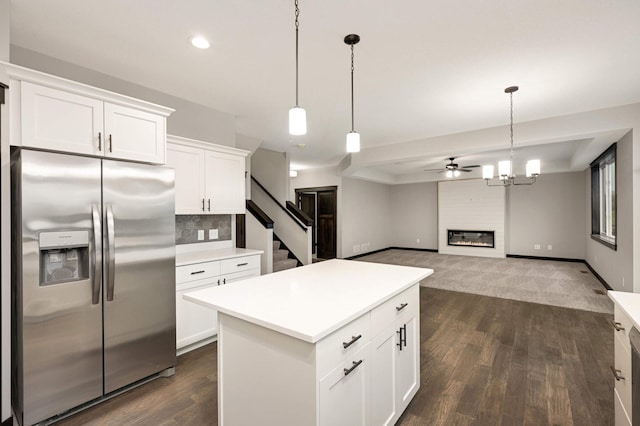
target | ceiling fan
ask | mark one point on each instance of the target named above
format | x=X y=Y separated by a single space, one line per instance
x=453 y=169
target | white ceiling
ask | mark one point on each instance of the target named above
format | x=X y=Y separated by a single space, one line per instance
x=424 y=68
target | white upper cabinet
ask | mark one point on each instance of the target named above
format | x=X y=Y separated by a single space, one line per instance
x=60 y=115
x=210 y=179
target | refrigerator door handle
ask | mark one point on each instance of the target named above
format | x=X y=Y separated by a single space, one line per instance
x=97 y=256
x=111 y=254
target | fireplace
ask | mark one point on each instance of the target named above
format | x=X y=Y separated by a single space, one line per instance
x=465 y=238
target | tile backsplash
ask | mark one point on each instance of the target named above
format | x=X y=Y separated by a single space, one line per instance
x=187 y=227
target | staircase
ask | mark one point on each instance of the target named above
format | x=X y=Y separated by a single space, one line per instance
x=281 y=260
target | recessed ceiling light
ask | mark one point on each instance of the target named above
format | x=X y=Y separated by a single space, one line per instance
x=200 y=42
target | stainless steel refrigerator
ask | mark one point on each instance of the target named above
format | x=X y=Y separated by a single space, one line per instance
x=93 y=267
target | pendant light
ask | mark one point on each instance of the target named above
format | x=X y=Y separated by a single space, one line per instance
x=353 y=137
x=297 y=114
x=505 y=168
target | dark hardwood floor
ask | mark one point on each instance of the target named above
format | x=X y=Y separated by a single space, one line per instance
x=484 y=361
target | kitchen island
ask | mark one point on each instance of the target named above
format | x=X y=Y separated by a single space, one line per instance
x=336 y=342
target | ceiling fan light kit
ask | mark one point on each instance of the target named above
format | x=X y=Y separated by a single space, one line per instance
x=297 y=114
x=453 y=169
x=506 y=175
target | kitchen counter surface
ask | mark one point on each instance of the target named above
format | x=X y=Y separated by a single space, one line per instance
x=212 y=255
x=310 y=302
x=629 y=303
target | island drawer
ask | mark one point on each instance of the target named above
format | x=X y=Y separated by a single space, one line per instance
x=342 y=343
x=238 y=264
x=402 y=305
x=197 y=271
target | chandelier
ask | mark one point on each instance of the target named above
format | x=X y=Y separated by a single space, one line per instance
x=506 y=175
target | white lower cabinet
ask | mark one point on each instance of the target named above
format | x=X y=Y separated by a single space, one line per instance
x=344 y=393
x=364 y=373
x=197 y=325
x=622 y=367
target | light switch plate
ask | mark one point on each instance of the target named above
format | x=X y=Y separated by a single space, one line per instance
x=213 y=234
x=200 y=234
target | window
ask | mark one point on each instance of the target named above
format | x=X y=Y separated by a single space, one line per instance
x=603 y=198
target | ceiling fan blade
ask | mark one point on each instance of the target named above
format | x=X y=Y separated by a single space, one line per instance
x=470 y=167
x=432 y=170
x=464 y=170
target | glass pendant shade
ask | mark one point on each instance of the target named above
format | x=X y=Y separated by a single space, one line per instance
x=353 y=142
x=456 y=173
x=297 y=121
x=533 y=168
x=487 y=172
x=504 y=169
x=449 y=174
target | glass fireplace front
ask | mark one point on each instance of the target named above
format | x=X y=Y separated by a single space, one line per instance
x=471 y=238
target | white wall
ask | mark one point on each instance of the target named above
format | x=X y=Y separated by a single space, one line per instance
x=414 y=215
x=190 y=120
x=366 y=216
x=616 y=267
x=550 y=212
x=260 y=238
x=271 y=169
x=471 y=205
x=5 y=25
x=250 y=144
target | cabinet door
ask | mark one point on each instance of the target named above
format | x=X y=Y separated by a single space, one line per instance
x=384 y=350
x=345 y=393
x=225 y=183
x=134 y=135
x=194 y=322
x=408 y=364
x=55 y=120
x=189 y=166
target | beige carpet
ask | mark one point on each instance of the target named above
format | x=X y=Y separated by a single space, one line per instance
x=564 y=284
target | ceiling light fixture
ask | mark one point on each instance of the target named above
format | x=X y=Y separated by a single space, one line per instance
x=353 y=137
x=505 y=168
x=297 y=114
x=293 y=173
x=200 y=42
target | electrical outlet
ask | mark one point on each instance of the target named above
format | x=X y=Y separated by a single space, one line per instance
x=200 y=234
x=549 y=247
x=536 y=246
x=213 y=234
x=356 y=248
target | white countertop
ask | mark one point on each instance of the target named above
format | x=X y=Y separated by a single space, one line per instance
x=311 y=302
x=629 y=303
x=211 y=255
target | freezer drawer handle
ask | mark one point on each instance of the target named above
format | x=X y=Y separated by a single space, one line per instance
x=616 y=374
x=197 y=272
x=354 y=339
x=618 y=326
x=353 y=367
x=111 y=254
x=401 y=307
x=242 y=264
x=97 y=260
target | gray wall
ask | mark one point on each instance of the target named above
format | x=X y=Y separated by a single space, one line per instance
x=5 y=25
x=550 y=212
x=366 y=216
x=190 y=120
x=414 y=215
x=271 y=169
x=615 y=266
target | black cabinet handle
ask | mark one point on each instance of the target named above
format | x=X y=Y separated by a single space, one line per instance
x=197 y=272
x=618 y=326
x=203 y=204
x=242 y=264
x=209 y=204
x=616 y=374
x=110 y=144
x=353 y=367
x=99 y=141
x=354 y=339
x=401 y=307
x=402 y=339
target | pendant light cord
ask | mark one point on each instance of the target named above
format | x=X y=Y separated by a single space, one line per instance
x=352 y=108
x=511 y=130
x=297 y=26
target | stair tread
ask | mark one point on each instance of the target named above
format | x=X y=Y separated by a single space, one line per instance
x=281 y=265
x=280 y=254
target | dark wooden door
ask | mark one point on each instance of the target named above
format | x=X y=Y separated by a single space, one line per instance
x=326 y=224
x=307 y=203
